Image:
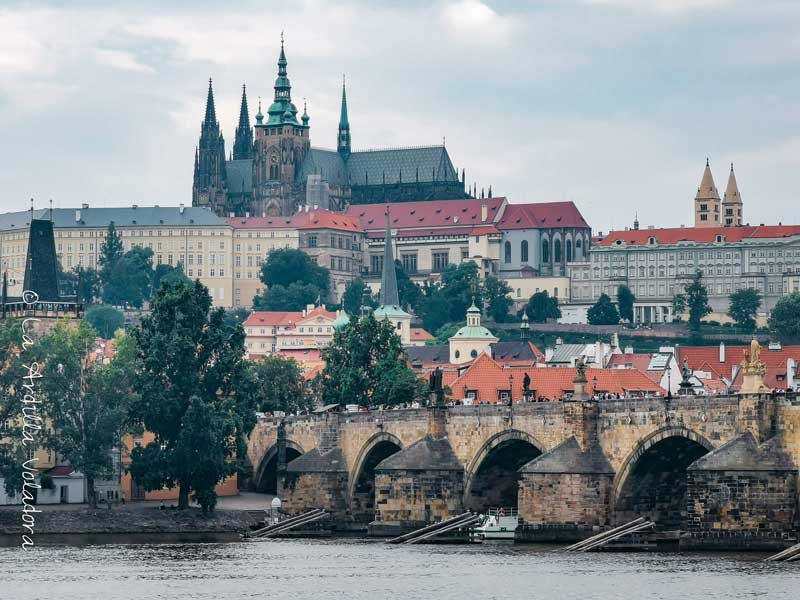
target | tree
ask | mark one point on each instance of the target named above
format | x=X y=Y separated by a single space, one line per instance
x=784 y=320
x=280 y=385
x=433 y=308
x=625 y=301
x=85 y=401
x=12 y=451
x=409 y=292
x=105 y=320
x=365 y=364
x=603 y=312
x=128 y=279
x=743 y=307
x=353 y=296
x=195 y=395
x=541 y=307
x=294 y=297
x=285 y=266
x=497 y=292
x=678 y=306
x=460 y=287
x=696 y=296
x=111 y=251
x=164 y=272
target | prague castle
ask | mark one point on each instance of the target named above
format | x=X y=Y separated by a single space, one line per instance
x=273 y=169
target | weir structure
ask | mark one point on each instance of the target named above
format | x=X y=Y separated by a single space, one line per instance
x=721 y=469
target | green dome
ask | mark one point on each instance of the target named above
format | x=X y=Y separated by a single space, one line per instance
x=471 y=332
x=341 y=320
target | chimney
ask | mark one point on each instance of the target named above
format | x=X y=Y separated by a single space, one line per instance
x=247 y=214
x=135 y=206
x=180 y=208
x=484 y=213
x=722 y=352
x=230 y=214
x=84 y=206
x=791 y=373
x=77 y=215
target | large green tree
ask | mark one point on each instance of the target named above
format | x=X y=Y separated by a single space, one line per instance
x=195 y=395
x=409 y=292
x=353 y=296
x=784 y=320
x=12 y=359
x=280 y=385
x=694 y=299
x=365 y=364
x=603 y=312
x=85 y=402
x=128 y=280
x=460 y=287
x=164 y=272
x=541 y=306
x=105 y=320
x=625 y=301
x=744 y=305
x=497 y=294
x=292 y=281
x=294 y=297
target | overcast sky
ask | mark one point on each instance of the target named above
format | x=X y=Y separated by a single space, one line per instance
x=613 y=104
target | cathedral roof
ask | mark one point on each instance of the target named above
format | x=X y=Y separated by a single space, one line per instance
x=432 y=163
x=240 y=175
x=327 y=163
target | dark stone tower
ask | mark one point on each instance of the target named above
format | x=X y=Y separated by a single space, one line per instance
x=343 y=142
x=243 y=143
x=41 y=267
x=209 y=162
x=281 y=144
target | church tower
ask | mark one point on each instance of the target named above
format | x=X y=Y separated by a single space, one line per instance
x=707 y=202
x=281 y=144
x=208 y=188
x=343 y=141
x=390 y=309
x=732 y=203
x=243 y=143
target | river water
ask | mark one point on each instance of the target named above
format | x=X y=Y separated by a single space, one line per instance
x=360 y=569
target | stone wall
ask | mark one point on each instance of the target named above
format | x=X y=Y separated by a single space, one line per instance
x=302 y=492
x=410 y=499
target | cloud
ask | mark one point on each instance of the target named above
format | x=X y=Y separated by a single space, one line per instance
x=120 y=59
x=476 y=22
x=662 y=6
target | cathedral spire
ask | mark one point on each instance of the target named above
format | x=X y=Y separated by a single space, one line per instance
x=243 y=142
x=389 y=294
x=343 y=143
x=732 y=202
x=707 y=189
x=282 y=109
x=732 y=190
x=211 y=113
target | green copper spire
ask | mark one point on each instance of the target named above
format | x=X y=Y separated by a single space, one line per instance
x=389 y=294
x=282 y=110
x=343 y=143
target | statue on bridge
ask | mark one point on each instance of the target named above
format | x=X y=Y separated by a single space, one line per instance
x=435 y=386
x=753 y=370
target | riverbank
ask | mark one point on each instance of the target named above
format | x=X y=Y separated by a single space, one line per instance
x=126 y=524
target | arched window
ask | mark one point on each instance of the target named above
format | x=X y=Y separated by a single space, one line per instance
x=557 y=251
x=545 y=251
x=523 y=250
x=274 y=166
x=569 y=250
x=508 y=252
x=641 y=271
x=652 y=271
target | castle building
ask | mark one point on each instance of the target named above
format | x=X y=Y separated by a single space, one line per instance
x=273 y=168
x=710 y=210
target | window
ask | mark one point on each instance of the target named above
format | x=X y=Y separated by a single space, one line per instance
x=508 y=252
x=440 y=260
x=523 y=251
x=409 y=263
x=569 y=250
x=545 y=251
x=557 y=251
x=312 y=241
x=376 y=263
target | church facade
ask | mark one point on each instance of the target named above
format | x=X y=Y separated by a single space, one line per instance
x=273 y=169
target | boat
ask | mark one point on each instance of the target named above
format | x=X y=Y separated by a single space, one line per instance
x=497 y=524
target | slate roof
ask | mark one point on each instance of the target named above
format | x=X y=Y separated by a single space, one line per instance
x=316 y=461
x=511 y=352
x=327 y=163
x=568 y=457
x=743 y=453
x=564 y=353
x=240 y=175
x=427 y=454
x=429 y=355
x=143 y=216
x=432 y=162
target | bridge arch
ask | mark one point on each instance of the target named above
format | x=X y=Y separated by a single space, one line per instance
x=491 y=478
x=361 y=488
x=266 y=479
x=652 y=480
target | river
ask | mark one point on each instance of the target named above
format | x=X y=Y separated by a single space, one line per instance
x=360 y=569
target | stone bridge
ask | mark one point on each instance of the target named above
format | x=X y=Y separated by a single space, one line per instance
x=717 y=467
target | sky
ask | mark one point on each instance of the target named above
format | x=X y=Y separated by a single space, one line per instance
x=613 y=104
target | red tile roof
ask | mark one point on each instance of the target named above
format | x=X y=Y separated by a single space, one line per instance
x=418 y=334
x=271 y=318
x=706 y=358
x=320 y=311
x=699 y=234
x=325 y=219
x=487 y=377
x=637 y=361
x=427 y=214
x=542 y=214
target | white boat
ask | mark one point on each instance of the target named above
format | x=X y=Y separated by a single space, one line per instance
x=497 y=524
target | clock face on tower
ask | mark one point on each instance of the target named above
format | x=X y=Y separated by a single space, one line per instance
x=274 y=159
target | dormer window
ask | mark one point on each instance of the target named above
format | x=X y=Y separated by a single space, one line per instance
x=651 y=240
x=720 y=238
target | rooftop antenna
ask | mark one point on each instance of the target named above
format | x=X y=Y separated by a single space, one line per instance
x=51 y=210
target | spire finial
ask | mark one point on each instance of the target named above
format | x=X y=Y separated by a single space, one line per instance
x=707 y=161
x=731 y=167
x=281 y=39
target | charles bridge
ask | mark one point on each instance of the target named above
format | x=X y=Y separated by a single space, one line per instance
x=721 y=469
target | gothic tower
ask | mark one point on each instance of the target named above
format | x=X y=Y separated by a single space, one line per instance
x=243 y=143
x=208 y=188
x=732 y=203
x=706 y=202
x=281 y=144
x=343 y=142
